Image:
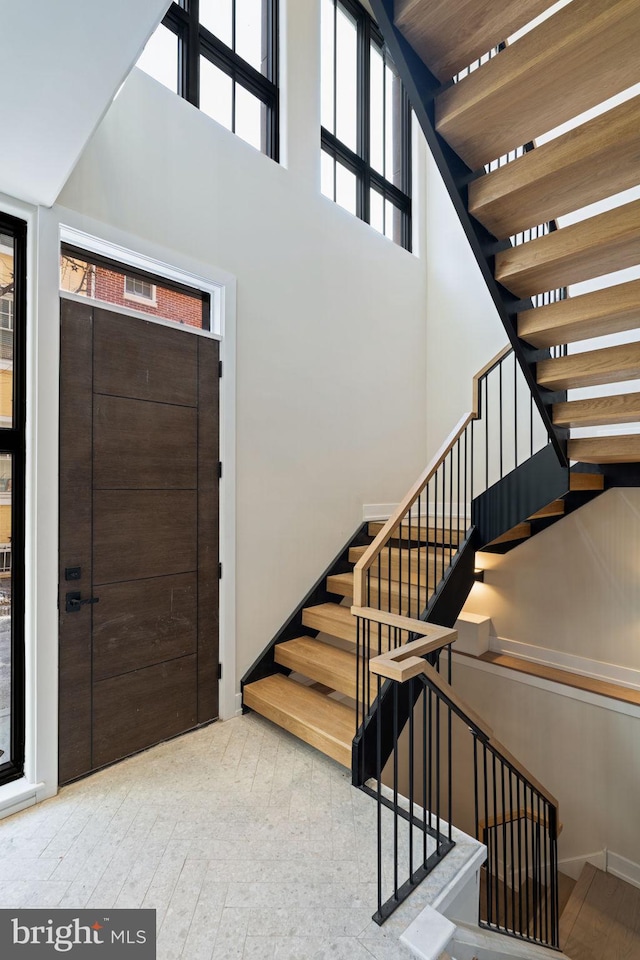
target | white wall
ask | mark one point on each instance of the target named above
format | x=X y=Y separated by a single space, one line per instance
x=587 y=756
x=463 y=327
x=331 y=336
x=574 y=586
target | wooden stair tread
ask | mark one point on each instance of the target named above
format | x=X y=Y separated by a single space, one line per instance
x=449 y=36
x=611 y=310
x=342 y=584
x=574 y=904
x=331 y=618
x=602 y=918
x=587 y=50
x=582 y=251
x=555 y=509
x=606 y=365
x=612 y=449
x=326 y=724
x=585 y=482
x=598 y=411
x=425 y=566
x=520 y=532
x=319 y=661
x=590 y=684
x=561 y=176
x=421 y=532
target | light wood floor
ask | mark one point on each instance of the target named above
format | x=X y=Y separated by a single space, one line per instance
x=602 y=919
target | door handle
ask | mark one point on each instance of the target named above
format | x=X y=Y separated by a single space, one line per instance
x=74 y=601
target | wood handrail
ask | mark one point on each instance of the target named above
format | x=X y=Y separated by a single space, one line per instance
x=374 y=549
x=390 y=666
x=488 y=367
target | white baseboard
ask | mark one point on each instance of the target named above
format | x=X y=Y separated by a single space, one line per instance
x=238 y=712
x=573 y=866
x=378 y=511
x=622 y=868
x=583 y=666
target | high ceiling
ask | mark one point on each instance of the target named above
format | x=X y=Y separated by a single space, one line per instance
x=63 y=63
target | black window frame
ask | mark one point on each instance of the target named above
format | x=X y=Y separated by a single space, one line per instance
x=194 y=41
x=359 y=162
x=13 y=442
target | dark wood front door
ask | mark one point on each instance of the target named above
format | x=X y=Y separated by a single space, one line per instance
x=138 y=534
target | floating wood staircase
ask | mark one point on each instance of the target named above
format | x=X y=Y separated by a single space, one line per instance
x=546 y=76
x=316 y=701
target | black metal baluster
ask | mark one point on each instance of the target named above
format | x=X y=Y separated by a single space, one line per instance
x=438 y=773
x=426 y=732
x=526 y=858
x=504 y=847
x=500 y=418
x=379 y=771
x=515 y=411
x=411 y=766
x=486 y=432
x=496 y=865
x=486 y=832
x=512 y=851
x=395 y=791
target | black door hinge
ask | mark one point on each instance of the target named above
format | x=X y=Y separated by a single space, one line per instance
x=220 y=368
x=219 y=671
x=219 y=469
x=219 y=571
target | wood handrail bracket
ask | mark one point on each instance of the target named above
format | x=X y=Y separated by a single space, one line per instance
x=370 y=556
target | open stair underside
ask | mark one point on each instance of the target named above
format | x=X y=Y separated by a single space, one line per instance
x=536 y=80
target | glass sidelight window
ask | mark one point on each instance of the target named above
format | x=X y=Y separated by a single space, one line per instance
x=12 y=460
x=366 y=123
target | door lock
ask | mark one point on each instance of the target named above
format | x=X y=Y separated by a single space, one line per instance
x=74 y=601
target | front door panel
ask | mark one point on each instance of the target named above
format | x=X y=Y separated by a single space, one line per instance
x=138 y=532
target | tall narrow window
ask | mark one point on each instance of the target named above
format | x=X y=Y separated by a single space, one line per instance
x=12 y=510
x=366 y=123
x=221 y=55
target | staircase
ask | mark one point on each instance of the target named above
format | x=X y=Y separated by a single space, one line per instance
x=573 y=61
x=317 y=700
x=490 y=85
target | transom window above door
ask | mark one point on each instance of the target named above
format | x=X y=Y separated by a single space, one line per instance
x=85 y=274
x=222 y=56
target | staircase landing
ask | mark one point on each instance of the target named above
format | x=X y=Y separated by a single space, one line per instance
x=602 y=918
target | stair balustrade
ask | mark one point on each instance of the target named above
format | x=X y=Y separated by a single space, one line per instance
x=422 y=788
x=407 y=568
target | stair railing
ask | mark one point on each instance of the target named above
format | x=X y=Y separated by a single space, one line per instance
x=419 y=798
x=404 y=569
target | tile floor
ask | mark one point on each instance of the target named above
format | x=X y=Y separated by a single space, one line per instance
x=249 y=844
